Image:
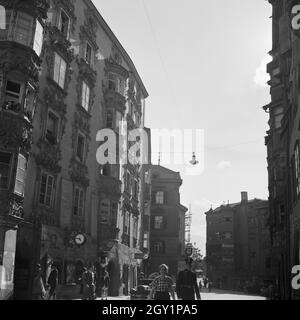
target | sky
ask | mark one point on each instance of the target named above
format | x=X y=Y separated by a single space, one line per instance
x=203 y=64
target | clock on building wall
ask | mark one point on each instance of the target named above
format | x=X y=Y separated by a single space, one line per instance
x=80 y=239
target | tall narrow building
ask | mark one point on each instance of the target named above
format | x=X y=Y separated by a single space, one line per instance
x=283 y=143
x=22 y=25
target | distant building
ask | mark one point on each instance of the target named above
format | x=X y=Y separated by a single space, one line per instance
x=238 y=246
x=167 y=228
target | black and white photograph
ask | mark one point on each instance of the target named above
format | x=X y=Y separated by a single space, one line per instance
x=149 y=151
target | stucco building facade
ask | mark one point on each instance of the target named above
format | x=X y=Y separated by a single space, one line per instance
x=64 y=65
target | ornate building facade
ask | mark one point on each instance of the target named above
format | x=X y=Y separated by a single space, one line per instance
x=283 y=143
x=64 y=77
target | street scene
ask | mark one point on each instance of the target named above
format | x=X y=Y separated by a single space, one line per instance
x=149 y=150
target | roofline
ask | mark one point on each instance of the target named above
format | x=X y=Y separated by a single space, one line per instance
x=115 y=40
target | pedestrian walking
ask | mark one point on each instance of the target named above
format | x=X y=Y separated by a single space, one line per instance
x=162 y=285
x=186 y=284
x=53 y=282
x=105 y=286
x=200 y=285
x=205 y=282
x=39 y=292
x=88 y=284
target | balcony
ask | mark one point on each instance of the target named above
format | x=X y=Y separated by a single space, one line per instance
x=110 y=186
x=114 y=100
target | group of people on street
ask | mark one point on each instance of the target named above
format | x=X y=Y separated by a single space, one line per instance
x=89 y=283
x=39 y=289
x=186 y=288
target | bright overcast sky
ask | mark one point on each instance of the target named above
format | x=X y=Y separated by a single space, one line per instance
x=203 y=64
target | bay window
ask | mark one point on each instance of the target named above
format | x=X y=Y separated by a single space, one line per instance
x=115 y=83
x=278 y=115
x=60 y=67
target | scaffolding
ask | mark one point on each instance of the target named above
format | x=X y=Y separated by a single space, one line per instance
x=188 y=223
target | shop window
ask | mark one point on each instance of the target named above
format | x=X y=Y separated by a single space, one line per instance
x=78 y=202
x=21 y=175
x=60 y=67
x=46 y=189
x=5 y=165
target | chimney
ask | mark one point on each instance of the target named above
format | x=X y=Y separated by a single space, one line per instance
x=244 y=196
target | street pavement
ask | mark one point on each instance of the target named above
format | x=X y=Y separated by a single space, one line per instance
x=214 y=295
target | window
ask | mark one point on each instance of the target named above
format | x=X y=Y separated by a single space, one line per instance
x=88 y=54
x=126 y=223
x=158 y=247
x=128 y=180
x=29 y=104
x=23 y=29
x=46 y=189
x=109 y=119
x=64 y=24
x=5 y=162
x=278 y=115
x=159 y=197
x=297 y=167
x=227 y=235
x=80 y=147
x=60 y=67
x=4 y=18
x=228 y=219
x=118 y=120
x=13 y=91
x=78 y=202
x=158 y=222
x=38 y=38
x=85 y=97
x=115 y=83
x=52 y=128
x=136 y=189
x=21 y=176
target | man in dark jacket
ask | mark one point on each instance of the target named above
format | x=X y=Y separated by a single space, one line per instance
x=53 y=281
x=186 y=284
